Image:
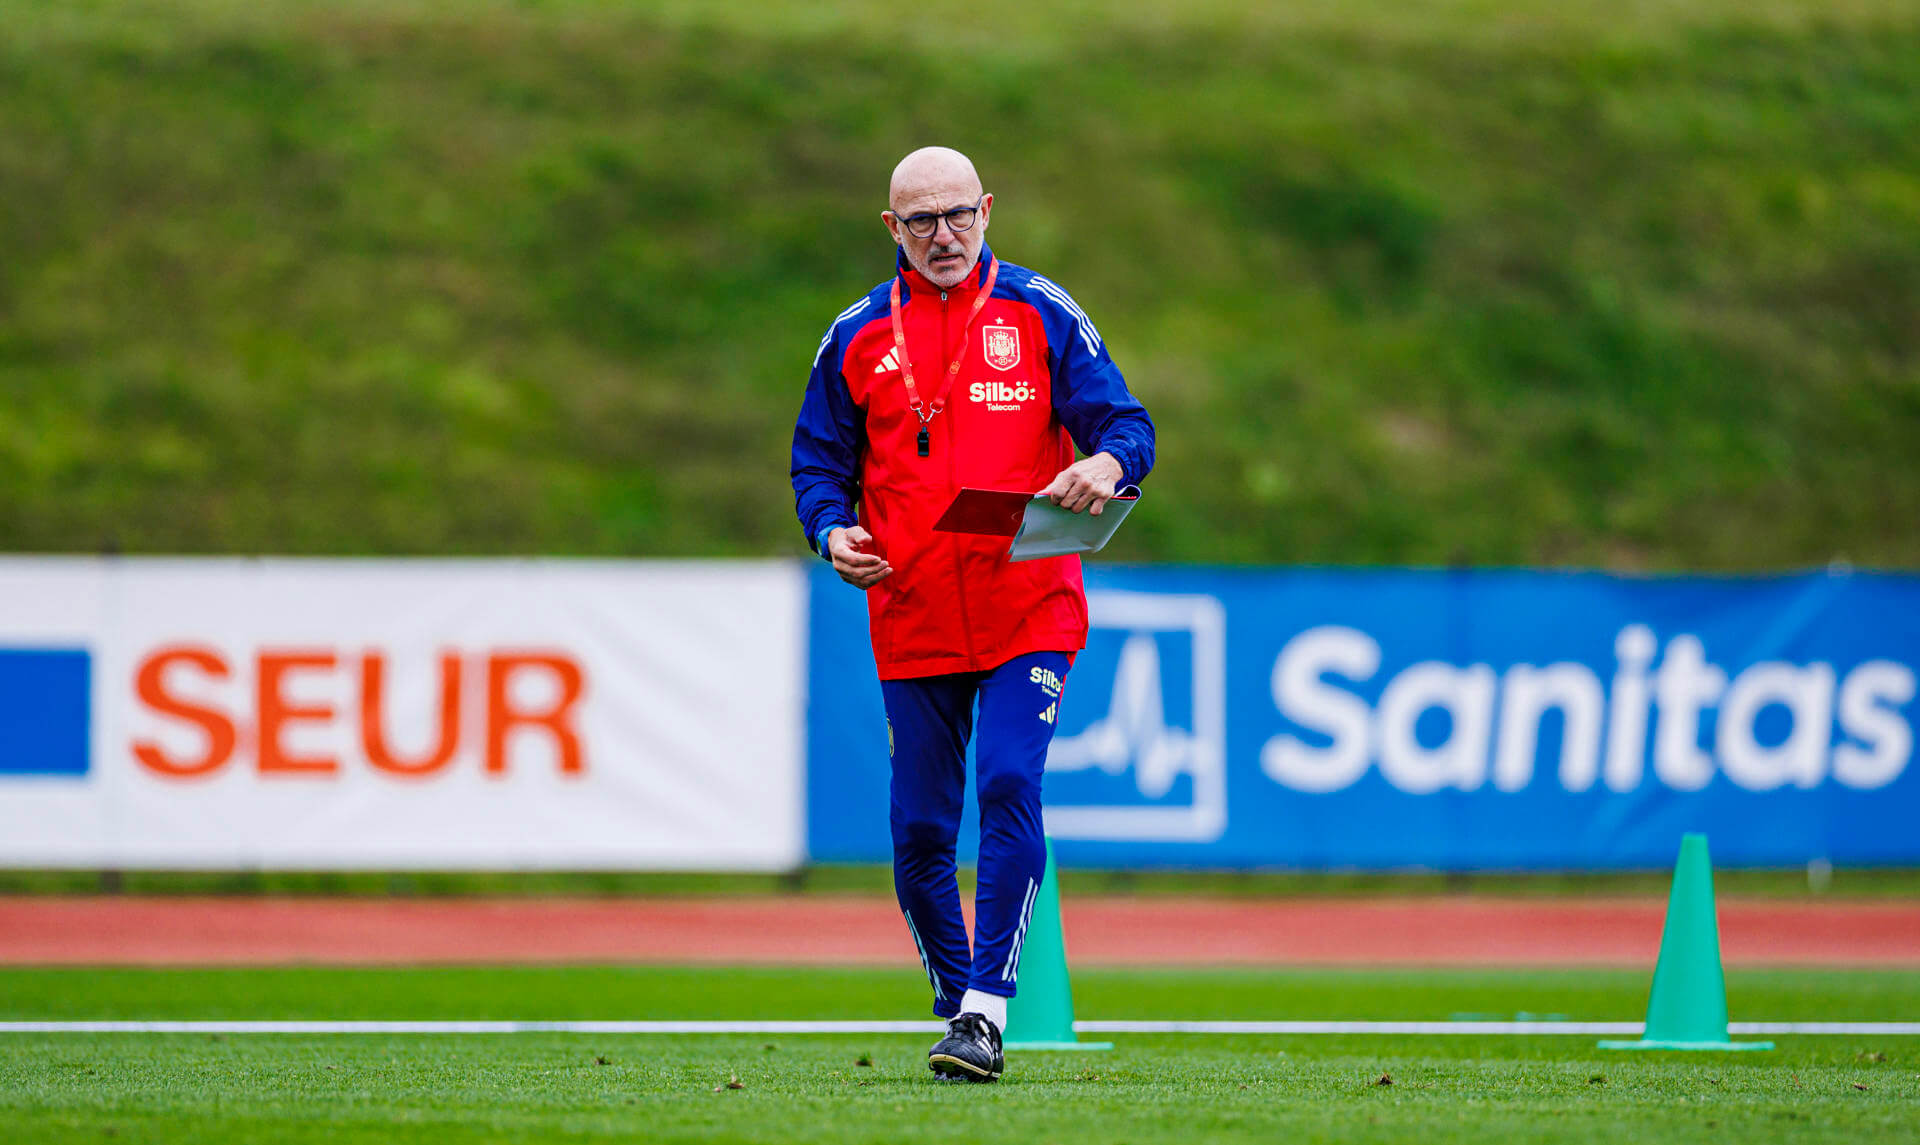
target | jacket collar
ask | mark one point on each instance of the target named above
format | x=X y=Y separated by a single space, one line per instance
x=914 y=280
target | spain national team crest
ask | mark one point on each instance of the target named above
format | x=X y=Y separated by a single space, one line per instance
x=1002 y=346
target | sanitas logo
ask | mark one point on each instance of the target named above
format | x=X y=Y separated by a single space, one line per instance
x=1001 y=395
x=1494 y=719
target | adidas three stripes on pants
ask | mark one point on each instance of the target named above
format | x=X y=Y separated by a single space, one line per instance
x=930 y=720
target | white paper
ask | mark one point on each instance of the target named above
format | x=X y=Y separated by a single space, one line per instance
x=1047 y=530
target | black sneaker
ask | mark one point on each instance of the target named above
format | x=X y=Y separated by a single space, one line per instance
x=969 y=1052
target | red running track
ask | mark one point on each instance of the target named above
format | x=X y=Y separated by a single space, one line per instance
x=868 y=931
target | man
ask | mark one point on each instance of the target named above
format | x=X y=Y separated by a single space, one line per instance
x=962 y=371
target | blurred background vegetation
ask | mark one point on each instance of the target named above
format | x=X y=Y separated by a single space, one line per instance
x=1632 y=286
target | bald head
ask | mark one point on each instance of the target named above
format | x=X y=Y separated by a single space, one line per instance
x=932 y=168
x=931 y=182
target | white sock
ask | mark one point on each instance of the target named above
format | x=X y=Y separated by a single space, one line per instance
x=992 y=1005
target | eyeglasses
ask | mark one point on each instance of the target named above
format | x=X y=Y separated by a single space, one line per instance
x=959 y=219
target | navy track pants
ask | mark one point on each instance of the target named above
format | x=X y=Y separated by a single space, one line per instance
x=929 y=720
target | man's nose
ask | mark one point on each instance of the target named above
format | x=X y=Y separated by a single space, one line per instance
x=942 y=227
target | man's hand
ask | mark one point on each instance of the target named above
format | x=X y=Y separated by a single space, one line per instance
x=1086 y=484
x=856 y=558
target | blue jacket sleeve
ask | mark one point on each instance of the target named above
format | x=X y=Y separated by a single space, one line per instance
x=828 y=439
x=1089 y=395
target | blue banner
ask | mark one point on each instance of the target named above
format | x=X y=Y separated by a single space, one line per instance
x=1451 y=720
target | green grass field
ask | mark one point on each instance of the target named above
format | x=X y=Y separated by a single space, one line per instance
x=1160 y=1088
x=1627 y=285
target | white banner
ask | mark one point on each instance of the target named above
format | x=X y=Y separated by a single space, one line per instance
x=197 y=713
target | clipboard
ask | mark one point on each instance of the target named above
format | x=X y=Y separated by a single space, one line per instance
x=985 y=512
x=1036 y=526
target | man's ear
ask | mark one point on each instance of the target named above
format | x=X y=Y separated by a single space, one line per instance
x=892 y=222
x=986 y=211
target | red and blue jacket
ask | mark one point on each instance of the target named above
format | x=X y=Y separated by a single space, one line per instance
x=1035 y=380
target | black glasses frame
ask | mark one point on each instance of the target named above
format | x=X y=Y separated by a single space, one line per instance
x=958 y=220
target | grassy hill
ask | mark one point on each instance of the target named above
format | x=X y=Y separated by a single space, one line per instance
x=1401 y=282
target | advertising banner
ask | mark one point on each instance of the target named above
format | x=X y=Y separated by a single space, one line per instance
x=400 y=714
x=1453 y=720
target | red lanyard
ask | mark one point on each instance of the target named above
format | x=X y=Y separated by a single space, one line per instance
x=924 y=413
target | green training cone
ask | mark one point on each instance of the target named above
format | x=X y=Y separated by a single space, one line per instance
x=1040 y=1016
x=1688 y=1007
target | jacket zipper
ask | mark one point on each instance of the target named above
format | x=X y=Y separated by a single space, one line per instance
x=953 y=486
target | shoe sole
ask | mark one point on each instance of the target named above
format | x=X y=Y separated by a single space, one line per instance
x=946 y=1065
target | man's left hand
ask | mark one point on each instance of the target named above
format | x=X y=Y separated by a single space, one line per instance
x=1085 y=485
